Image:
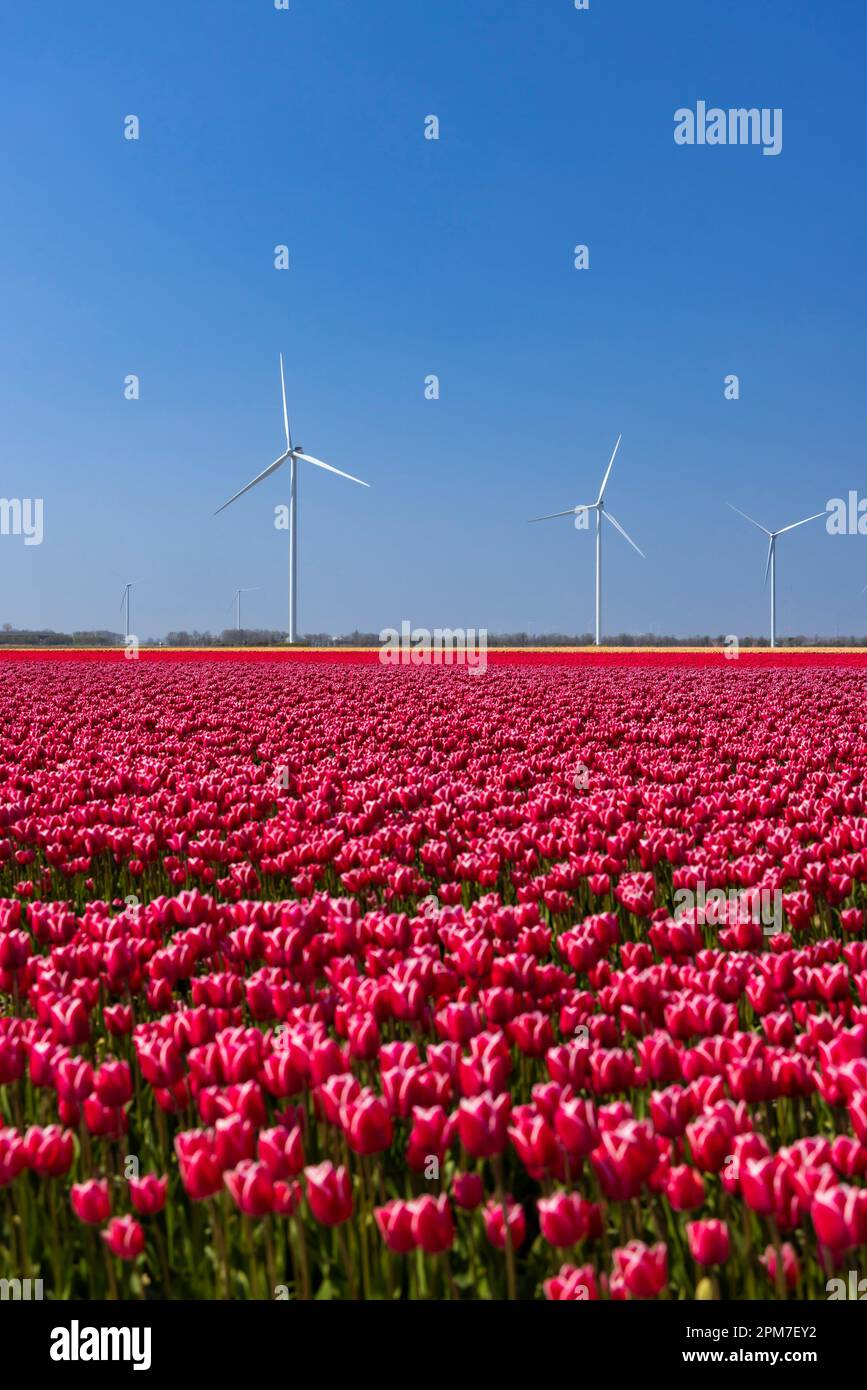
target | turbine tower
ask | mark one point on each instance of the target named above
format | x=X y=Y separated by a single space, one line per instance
x=237 y=600
x=292 y=454
x=771 y=565
x=124 y=602
x=599 y=507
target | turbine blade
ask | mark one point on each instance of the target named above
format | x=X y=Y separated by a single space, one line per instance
x=624 y=534
x=264 y=474
x=571 y=511
x=814 y=517
x=749 y=518
x=308 y=458
x=285 y=411
x=608 y=469
x=770 y=553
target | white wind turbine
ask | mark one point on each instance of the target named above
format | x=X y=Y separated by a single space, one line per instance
x=771 y=565
x=124 y=602
x=599 y=507
x=236 y=599
x=292 y=455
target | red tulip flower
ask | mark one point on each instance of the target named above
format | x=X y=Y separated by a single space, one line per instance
x=148 y=1194
x=201 y=1175
x=395 y=1222
x=49 y=1150
x=709 y=1242
x=834 y=1212
x=367 y=1123
x=251 y=1187
x=432 y=1225
x=90 y=1201
x=329 y=1193
x=643 y=1269
x=684 y=1188
x=573 y=1285
x=124 y=1237
x=113 y=1083
x=791 y=1265
x=858 y=1115
x=282 y=1151
x=483 y=1123
x=467 y=1190
x=73 y=1077
x=562 y=1218
x=13 y=1156
x=495 y=1224
x=286 y=1198
x=757 y=1182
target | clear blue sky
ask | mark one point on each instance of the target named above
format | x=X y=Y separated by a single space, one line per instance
x=411 y=257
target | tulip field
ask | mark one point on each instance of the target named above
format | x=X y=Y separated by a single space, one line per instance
x=329 y=980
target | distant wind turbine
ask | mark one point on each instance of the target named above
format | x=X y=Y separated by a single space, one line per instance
x=292 y=455
x=771 y=565
x=599 y=507
x=237 y=600
x=124 y=602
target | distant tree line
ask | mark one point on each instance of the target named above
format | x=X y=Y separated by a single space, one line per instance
x=266 y=637
x=46 y=637
x=229 y=637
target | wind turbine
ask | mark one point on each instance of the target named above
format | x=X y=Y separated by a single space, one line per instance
x=125 y=600
x=772 y=557
x=599 y=507
x=292 y=454
x=237 y=599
